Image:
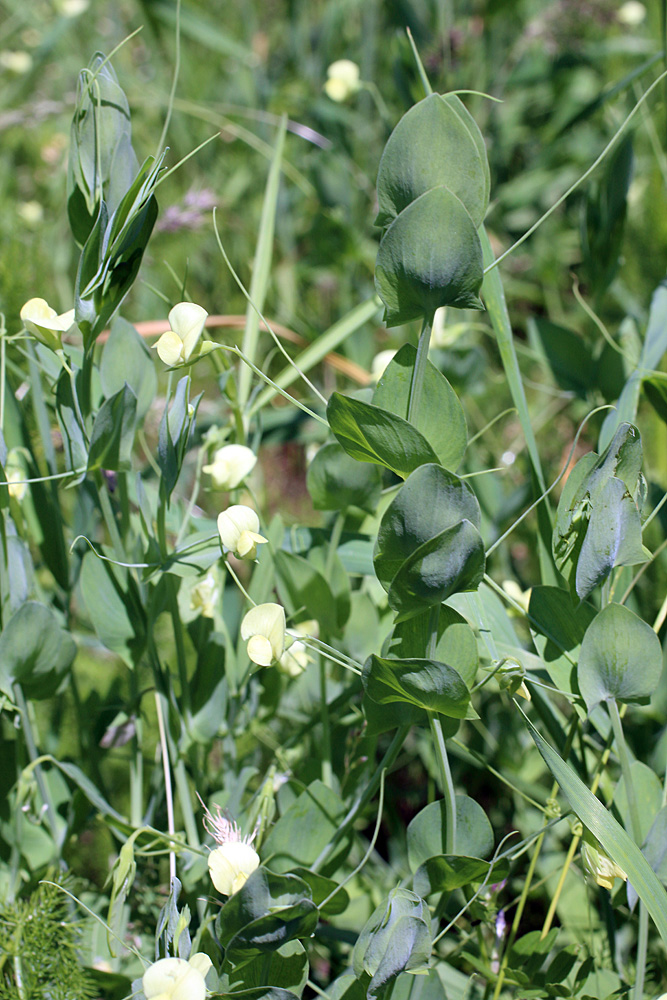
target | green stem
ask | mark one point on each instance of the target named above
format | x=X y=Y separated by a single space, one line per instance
x=642 y=950
x=417 y=383
x=449 y=795
x=326 y=728
x=39 y=776
x=334 y=541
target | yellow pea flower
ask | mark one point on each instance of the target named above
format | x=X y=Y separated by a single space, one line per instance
x=234 y=859
x=176 y=979
x=342 y=80
x=45 y=324
x=238 y=527
x=230 y=465
x=263 y=628
x=175 y=347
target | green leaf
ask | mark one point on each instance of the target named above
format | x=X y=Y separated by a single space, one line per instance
x=440 y=418
x=648 y=796
x=444 y=873
x=455 y=642
x=395 y=939
x=567 y=354
x=430 y=256
x=112 y=436
x=74 y=441
x=267 y=912
x=435 y=143
x=126 y=359
x=611 y=835
x=175 y=431
x=304 y=829
x=336 y=481
x=287 y=965
x=428 y=545
x=115 y=613
x=433 y=686
x=558 y=627
x=371 y=434
x=35 y=651
x=303 y=588
x=321 y=888
x=620 y=658
x=427 y=832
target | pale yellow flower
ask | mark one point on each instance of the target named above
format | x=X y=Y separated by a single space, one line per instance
x=598 y=866
x=342 y=80
x=296 y=657
x=16 y=62
x=175 y=347
x=238 y=527
x=631 y=13
x=230 y=465
x=31 y=212
x=176 y=979
x=45 y=324
x=234 y=859
x=205 y=595
x=263 y=628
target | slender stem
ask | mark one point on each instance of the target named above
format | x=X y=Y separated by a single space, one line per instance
x=326 y=728
x=449 y=795
x=334 y=540
x=185 y=802
x=39 y=775
x=417 y=383
x=167 y=784
x=517 y=916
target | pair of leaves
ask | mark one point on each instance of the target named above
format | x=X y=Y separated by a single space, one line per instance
x=35 y=651
x=176 y=429
x=433 y=191
x=429 y=545
x=379 y=432
x=396 y=938
x=598 y=524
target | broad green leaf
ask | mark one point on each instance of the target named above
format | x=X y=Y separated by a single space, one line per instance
x=611 y=835
x=126 y=359
x=383 y=718
x=302 y=589
x=430 y=256
x=428 y=545
x=427 y=684
x=338 y=580
x=74 y=442
x=258 y=993
x=321 y=888
x=371 y=434
x=444 y=873
x=112 y=436
x=451 y=562
x=654 y=850
x=648 y=796
x=436 y=142
x=304 y=829
x=430 y=501
x=35 y=651
x=620 y=658
x=455 y=645
x=115 y=613
x=336 y=481
x=558 y=626
x=268 y=911
x=427 y=832
x=395 y=939
x=287 y=965
x=440 y=419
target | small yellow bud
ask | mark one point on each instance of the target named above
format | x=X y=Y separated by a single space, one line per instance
x=597 y=863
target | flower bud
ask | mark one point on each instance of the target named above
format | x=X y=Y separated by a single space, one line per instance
x=597 y=863
x=230 y=465
x=238 y=527
x=296 y=657
x=175 y=347
x=45 y=324
x=263 y=628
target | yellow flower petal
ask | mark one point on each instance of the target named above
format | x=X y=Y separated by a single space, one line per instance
x=230 y=865
x=170 y=349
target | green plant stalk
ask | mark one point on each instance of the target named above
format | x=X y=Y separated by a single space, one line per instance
x=421 y=361
x=262 y=265
x=327 y=773
x=494 y=298
x=635 y=825
x=34 y=756
x=448 y=792
x=334 y=540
